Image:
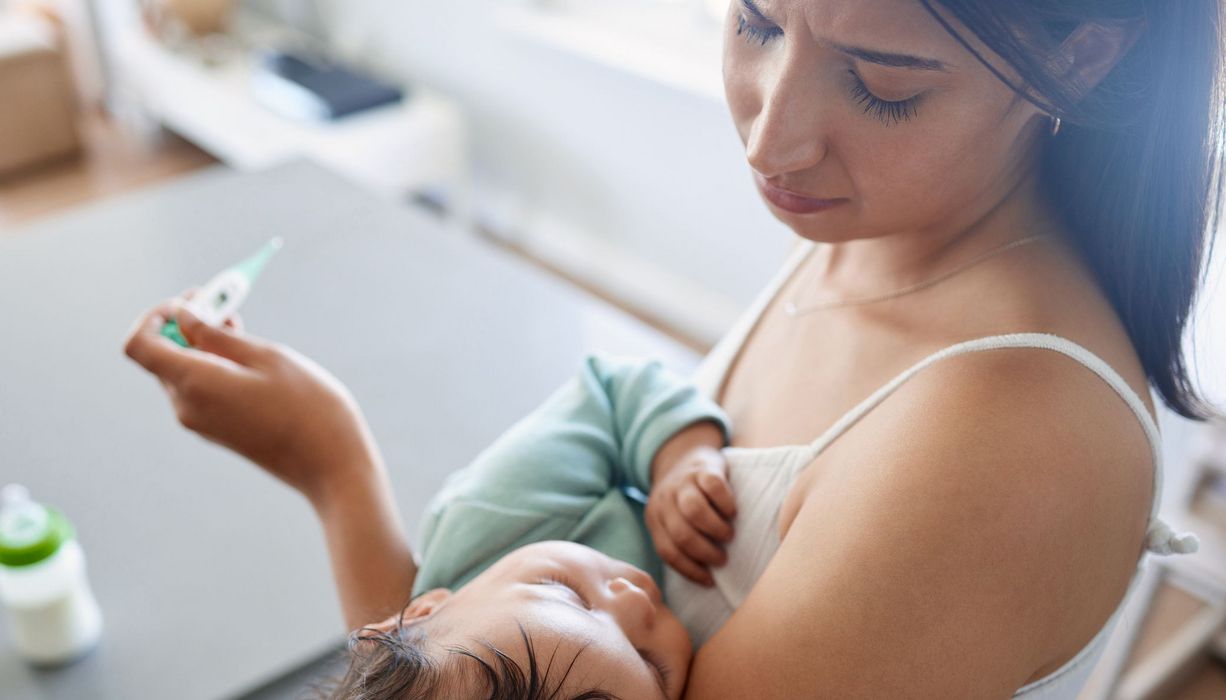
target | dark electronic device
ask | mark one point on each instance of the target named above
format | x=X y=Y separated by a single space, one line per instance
x=306 y=86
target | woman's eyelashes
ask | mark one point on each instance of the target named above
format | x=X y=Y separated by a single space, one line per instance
x=752 y=33
x=889 y=112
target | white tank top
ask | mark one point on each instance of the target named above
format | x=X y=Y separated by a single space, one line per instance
x=763 y=475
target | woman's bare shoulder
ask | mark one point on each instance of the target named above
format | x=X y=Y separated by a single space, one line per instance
x=968 y=534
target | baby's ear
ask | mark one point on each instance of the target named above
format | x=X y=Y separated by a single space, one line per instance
x=426 y=603
x=418 y=608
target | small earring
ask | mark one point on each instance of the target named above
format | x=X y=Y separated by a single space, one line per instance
x=1055 y=125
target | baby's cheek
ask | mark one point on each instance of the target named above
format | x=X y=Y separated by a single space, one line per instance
x=677 y=641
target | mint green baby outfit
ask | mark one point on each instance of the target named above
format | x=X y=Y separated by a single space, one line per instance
x=575 y=469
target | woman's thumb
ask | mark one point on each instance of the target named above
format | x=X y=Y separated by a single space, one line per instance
x=219 y=341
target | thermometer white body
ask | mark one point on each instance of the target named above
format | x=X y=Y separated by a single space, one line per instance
x=220 y=297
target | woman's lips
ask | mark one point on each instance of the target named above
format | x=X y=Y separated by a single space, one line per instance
x=790 y=201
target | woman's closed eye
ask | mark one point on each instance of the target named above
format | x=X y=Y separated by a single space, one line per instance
x=755 y=33
x=887 y=111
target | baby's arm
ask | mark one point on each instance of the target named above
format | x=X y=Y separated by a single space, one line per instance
x=645 y=407
x=690 y=511
x=558 y=472
x=600 y=430
x=678 y=459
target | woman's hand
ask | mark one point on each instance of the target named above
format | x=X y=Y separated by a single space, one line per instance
x=260 y=399
x=691 y=506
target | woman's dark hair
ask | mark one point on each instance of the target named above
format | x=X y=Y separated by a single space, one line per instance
x=1136 y=170
x=396 y=666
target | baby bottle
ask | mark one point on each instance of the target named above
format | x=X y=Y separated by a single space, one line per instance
x=51 y=612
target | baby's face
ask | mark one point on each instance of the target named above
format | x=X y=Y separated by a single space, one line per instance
x=574 y=602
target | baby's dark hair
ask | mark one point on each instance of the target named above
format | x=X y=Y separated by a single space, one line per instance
x=396 y=666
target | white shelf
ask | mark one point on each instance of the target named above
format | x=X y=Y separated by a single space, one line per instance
x=418 y=144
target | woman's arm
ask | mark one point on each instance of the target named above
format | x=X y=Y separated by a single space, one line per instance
x=990 y=536
x=372 y=563
x=296 y=421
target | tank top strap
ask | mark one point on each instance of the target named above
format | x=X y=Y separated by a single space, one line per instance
x=1160 y=538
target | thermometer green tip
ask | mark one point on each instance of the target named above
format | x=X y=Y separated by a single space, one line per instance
x=251 y=267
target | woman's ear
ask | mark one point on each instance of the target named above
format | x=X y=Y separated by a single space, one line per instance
x=426 y=603
x=1094 y=48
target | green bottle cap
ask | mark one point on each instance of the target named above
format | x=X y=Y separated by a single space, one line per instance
x=29 y=532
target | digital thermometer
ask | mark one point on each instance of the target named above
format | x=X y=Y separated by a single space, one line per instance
x=221 y=297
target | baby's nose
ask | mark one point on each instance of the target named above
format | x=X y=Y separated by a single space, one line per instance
x=634 y=608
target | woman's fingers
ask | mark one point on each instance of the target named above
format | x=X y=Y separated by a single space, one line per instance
x=234 y=322
x=150 y=349
x=243 y=350
x=208 y=385
x=693 y=504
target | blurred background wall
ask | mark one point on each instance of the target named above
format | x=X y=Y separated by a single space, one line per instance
x=582 y=160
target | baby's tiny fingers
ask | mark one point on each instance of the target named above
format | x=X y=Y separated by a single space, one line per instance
x=693 y=543
x=716 y=487
x=694 y=505
x=683 y=564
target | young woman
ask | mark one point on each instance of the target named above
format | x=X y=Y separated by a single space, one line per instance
x=975 y=532
x=949 y=467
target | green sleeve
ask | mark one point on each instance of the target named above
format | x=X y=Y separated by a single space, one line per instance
x=644 y=405
x=558 y=473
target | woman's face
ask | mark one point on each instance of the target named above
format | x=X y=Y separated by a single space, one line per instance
x=874 y=104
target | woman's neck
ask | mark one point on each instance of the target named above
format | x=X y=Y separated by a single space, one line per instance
x=876 y=265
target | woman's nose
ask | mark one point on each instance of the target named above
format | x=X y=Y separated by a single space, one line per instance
x=788 y=133
x=632 y=606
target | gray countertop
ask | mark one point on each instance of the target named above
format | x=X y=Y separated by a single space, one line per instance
x=213 y=577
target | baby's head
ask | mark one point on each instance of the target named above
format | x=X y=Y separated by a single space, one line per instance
x=549 y=620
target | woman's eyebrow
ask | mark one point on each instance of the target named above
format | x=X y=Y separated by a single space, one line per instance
x=893 y=60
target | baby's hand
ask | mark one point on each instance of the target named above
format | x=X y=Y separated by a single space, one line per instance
x=689 y=513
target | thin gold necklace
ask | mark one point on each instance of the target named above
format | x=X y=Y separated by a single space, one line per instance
x=791 y=309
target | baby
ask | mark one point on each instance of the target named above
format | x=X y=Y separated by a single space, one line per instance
x=538 y=577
